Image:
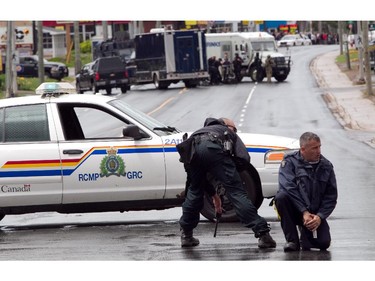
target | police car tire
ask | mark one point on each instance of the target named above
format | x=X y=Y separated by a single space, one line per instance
x=252 y=185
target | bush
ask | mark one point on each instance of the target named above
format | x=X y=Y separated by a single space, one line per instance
x=86 y=47
x=2 y=82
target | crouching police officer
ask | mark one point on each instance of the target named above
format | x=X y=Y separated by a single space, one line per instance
x=208 y=150
x=307 y=196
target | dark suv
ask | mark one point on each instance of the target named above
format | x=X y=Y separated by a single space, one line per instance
x=104 y=73
x=28 y=67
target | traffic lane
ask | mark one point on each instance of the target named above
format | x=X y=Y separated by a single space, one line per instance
x=187 y=108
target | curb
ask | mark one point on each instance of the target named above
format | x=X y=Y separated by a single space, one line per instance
x=338 y=111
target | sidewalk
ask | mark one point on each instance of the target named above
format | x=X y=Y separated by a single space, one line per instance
x=345 y=100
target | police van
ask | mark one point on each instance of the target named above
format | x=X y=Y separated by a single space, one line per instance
x=70 y=153
x=247 y=45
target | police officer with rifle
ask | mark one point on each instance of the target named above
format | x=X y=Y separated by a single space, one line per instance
x=217 y=150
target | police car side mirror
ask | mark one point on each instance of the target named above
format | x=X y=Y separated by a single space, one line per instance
x=132 y=131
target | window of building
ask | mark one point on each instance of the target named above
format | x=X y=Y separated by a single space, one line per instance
x=47 y=41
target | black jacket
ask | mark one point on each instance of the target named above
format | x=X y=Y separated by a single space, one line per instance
x=311 y=188
x=218 y=127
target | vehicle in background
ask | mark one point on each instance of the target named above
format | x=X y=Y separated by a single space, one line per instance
x=306 y=41
x=371 y=49
x=28 y=67
x=290 y=40
x=85 y=78
x=166 y=57
x=120 y=45
x=105 y=73
x=247 y=45
x=68 y=153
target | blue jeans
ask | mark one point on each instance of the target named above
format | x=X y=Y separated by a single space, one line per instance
x=210 y=158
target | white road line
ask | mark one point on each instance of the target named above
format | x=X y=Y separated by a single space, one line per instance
x=245 y=106
x=250 y=95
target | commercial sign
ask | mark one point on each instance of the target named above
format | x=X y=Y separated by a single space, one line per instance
x=23 y=36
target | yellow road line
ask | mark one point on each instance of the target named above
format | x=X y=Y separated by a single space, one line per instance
x=166 y=102
x=161 y=106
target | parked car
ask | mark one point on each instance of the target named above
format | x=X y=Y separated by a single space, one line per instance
x=306 y=41
x=72 y=153
x=291 y=40
x=104 y=73
x=28 y=67
x=85 y=78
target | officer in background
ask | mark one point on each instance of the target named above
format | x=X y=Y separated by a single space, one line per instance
x=212 y=70
x=307 y=195
x=269 y=63
x=237 y=65
x=216 y=149
x=226 y=68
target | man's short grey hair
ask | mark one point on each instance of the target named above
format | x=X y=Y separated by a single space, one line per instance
x=307 y=137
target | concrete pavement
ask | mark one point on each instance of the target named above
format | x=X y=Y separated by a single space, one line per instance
x=347 y=101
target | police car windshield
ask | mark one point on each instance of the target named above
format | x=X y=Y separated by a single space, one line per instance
x=147 y=121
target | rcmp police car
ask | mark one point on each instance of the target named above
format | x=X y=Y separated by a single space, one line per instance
x=71 y=153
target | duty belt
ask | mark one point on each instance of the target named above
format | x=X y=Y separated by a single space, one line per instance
x=210 y=137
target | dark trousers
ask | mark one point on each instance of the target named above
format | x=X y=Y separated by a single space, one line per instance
x=210 y=158
x=291 y=218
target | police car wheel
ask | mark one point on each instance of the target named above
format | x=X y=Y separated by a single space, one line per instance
x=254 y=194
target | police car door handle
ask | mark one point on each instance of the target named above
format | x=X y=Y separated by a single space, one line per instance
x=72 y=151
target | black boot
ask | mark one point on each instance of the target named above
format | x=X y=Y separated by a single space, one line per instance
x=187 y=239
x=266 y=241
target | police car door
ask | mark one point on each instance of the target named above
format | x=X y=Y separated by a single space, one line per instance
x=103 y=166
x=30 y=168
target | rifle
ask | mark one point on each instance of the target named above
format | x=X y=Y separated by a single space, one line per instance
x=217 y=218
x=220 y=190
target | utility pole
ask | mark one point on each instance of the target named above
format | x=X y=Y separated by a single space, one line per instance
x=340 y=37
x=40 y=52
x=367 y=59
x=105 y=30
x=77 y=48
x=9 y=62
x=359 y=44
x=15 y=59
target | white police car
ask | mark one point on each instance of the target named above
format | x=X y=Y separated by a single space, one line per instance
x=71 y=153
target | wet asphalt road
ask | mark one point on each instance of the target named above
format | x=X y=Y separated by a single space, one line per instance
x=138 y=237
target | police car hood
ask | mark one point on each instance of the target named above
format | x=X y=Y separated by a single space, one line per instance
x=271 y=141
x=249 y=139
